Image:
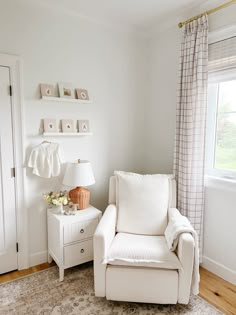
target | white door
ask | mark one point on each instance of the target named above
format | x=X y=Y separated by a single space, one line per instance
x=8 y=253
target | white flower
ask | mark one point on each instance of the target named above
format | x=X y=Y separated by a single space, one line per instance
x=57 y=198
x=55 y=202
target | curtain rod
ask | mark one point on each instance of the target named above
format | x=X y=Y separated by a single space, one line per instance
x=222 y=6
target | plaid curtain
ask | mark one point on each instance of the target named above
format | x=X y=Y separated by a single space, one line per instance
x=191 y=123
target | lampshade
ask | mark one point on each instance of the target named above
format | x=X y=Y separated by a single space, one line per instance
x=78 y=174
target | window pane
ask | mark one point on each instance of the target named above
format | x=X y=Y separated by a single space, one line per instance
x=227 y=97
x=225 y=150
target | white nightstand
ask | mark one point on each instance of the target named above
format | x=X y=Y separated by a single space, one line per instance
x=70 y=237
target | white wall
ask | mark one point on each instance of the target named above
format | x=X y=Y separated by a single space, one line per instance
x=133 y=86
x=110 y=63
x=219 y=228
x=163 y=60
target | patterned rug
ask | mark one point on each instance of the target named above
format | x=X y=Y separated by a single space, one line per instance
x=42 y=293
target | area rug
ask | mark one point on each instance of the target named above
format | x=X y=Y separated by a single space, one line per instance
x=42 y=293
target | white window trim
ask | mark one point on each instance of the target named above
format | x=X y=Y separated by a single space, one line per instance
x=215 y=77
x=214 y=36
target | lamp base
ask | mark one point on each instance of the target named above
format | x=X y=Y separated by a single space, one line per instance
x=80 y=196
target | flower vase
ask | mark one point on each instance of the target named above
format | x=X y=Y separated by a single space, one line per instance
x=60 y=209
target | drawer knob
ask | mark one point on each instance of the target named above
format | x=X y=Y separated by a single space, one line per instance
x=82 y=250
x=82 y=231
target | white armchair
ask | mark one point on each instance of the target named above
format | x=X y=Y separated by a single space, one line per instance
x=139 y=267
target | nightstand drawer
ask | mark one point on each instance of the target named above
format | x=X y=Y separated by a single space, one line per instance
x=78 y=253
x=79 y=230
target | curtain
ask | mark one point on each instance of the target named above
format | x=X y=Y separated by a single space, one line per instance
x=191 y=123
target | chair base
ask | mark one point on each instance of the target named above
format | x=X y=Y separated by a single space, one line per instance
x=145 y=285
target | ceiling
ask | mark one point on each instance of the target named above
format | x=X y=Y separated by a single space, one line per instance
x=138 y=13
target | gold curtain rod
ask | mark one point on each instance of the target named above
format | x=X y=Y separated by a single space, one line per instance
x=222 y=6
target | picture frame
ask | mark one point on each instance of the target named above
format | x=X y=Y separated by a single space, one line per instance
x=67 y=125
x=83 y=126
x=50 y=125
x=66 y=90
x=47 y=90
x=82 y=94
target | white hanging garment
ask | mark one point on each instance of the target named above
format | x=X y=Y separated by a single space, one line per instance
x=45 y=160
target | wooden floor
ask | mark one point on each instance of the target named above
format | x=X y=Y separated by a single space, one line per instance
x=25 y=272
x=213 y=289
x=218 y=292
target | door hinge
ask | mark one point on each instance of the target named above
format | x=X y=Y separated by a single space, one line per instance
x=10 y=90
x=17 y=247
x=13 y=172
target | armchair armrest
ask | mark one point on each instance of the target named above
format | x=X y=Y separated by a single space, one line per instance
x=181 y=238
x=185 y=253
x=102 y=240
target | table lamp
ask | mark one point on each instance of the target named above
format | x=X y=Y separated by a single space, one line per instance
x=79 y=174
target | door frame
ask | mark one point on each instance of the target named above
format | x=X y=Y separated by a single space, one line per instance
x=15 y=66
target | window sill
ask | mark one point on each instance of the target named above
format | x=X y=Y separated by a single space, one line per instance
x=219 y=182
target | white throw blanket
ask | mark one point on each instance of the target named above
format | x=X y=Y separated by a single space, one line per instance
x=177 y=225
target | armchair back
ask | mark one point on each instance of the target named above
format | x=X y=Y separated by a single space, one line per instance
x=112 y=192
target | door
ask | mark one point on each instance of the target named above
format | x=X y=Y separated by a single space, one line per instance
x=8 y=254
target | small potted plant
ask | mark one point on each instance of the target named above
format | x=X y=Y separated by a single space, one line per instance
x=57 y=199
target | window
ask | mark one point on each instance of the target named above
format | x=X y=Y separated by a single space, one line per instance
x=221 y=114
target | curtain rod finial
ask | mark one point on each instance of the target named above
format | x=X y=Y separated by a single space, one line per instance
x=180 y=24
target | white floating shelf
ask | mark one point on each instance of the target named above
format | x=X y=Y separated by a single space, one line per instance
x=66 y=134
x=65 y=100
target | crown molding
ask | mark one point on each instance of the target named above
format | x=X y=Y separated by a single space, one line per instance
x=132 y=29
x=171 y=21
x=150 y=30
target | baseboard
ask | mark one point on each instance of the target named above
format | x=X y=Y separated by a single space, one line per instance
x=219 y=269
x=38 y=258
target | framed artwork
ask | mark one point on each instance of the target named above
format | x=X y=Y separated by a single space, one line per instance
x=83 y=125
x=47 y=89
x=50 y=125
x=82 y=94
x=66 y=90
x=67 y=125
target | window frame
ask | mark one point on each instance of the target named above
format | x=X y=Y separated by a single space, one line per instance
x=211 y=125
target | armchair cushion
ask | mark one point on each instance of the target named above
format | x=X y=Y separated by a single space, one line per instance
x=141 y=251
x=142 y=202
